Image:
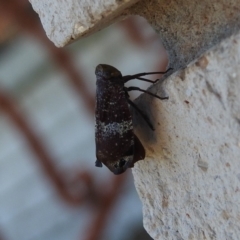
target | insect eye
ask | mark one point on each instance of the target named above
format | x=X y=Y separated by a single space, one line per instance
x=120 y=164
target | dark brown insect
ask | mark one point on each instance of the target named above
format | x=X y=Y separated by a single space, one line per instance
x=117 y=147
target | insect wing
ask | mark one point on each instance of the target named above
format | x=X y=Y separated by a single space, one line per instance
x=138 y=152
x=114 y=130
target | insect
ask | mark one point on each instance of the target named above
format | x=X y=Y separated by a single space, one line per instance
x=117 y=147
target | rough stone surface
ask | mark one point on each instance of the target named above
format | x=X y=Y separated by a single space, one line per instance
x=189 y=28
x=66 y=20
x=189 y=183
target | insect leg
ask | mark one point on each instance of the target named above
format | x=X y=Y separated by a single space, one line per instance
x=98 y=163
x=130 y=77
x=141 y=90
x=141 y=113
x=147 y=80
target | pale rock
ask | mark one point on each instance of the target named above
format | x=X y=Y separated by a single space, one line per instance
x=189 y=183
x=66 y=20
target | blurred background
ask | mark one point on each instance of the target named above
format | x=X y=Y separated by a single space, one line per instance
x=49 y=185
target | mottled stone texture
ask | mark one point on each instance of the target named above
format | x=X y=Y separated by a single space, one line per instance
x=189 y=183
x=66 y=20
x=188 y=28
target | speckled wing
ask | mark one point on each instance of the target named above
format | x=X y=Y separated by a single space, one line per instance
x=113 y=130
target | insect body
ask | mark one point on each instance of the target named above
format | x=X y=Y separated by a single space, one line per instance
x=117 y=146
